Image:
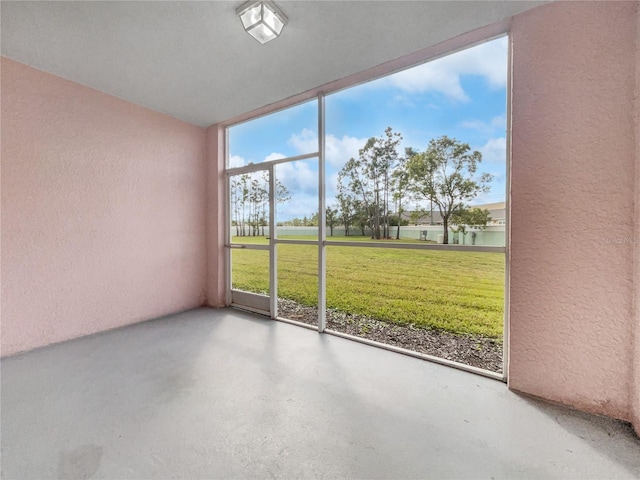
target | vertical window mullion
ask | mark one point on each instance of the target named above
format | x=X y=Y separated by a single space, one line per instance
x=273 y=252
x=322 y=220
x=507 y=217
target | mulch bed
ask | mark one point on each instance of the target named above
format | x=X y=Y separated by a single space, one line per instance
x=475 y=350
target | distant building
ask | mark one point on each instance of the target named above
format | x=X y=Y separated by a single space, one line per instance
x=422 y=218
x=497 y=212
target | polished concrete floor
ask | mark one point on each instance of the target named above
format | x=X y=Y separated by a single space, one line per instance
x=224 y=394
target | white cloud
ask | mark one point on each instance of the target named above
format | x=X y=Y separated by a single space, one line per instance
x=499 y=121
x=496 y=123
x=487 y=60
x=274 y=156
x=402 y=101
x=236 y=161
x=304 y=142
x=305 y=205
x=430 y=77
x=474 y=125
x=298 y=176
x=301 y=181
x=494 y=151
x=338 y=150
x=331 y=187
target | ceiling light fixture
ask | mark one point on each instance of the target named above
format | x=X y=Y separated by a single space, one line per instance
x=262 y=19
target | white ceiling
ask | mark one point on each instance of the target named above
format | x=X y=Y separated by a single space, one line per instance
x=193 y=61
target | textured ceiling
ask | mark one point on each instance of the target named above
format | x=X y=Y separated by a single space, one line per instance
x=193 y=61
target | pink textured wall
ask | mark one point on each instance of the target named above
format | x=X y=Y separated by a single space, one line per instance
x=216 y=277
x=636 y=358
x=573 y=186
x=103 y=211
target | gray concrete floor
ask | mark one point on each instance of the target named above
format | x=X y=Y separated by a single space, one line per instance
x=224 y=394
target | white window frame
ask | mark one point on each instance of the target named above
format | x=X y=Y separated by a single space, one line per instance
x=322 y=241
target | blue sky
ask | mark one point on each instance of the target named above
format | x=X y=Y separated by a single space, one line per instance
x=462 y=95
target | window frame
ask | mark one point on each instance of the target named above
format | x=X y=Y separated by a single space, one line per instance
x=320 y=93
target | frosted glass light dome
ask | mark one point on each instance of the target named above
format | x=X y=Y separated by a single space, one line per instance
x=263 y=20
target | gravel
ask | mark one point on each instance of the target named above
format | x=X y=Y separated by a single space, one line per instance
x=476 y=350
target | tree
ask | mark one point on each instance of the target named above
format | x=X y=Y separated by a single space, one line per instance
x=416 y=214
x=258 y=201
x=370 y=178
x=332 y=216
x=470 y=217
x=445 y=173
x=396 y=221
x=361 y=218
x=400 y=186
x=347 y=206
x=250 y=200
x=236 y=203
x=240 y=194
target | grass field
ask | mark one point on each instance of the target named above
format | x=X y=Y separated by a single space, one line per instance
x=455 y=291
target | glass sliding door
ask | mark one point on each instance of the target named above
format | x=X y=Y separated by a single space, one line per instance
x=250 y=252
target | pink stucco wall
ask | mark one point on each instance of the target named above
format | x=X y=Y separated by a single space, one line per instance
x=103 y=208
x=636 y=358
x=573 y=186
x=216 y=273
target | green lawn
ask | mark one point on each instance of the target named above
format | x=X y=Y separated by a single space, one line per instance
x=455 y=291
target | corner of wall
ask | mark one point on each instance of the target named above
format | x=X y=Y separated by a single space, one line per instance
x=215 y=154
